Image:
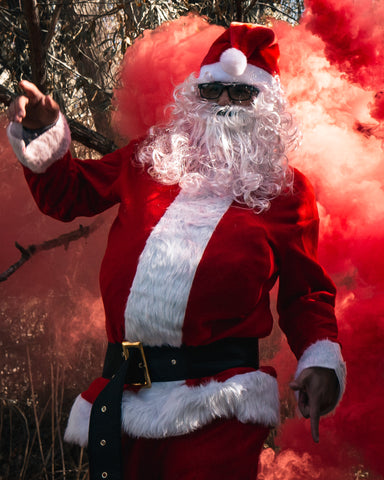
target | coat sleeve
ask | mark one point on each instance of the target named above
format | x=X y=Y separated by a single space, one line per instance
x=306 y=297
x=71 y=187
x=64 y=187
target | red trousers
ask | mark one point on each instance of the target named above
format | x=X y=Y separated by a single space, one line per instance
x=224 y=449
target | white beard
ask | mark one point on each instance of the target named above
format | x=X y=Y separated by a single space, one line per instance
x=227 y=150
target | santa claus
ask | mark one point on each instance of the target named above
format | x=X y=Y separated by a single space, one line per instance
x=210 y=216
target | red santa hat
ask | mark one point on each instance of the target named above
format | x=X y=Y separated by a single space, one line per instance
x=244 y=53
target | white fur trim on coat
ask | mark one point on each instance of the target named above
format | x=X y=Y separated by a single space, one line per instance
x=327 y=354
x=78 y=422
x=159 y=294
x=172 y=408
x=44 y=150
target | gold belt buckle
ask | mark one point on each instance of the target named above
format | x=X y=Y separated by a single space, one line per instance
x=143 y=364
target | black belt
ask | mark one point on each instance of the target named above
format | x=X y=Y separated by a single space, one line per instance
x=135 y=364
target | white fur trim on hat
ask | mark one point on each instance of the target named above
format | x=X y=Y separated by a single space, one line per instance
x=44 y=150
x=252 y=75
x=327 y=354
x=233 y=61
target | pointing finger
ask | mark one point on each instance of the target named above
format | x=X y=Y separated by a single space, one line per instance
x=31 y=91
x=315 y=420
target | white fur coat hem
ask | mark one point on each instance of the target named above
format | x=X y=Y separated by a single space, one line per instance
x=173 y=408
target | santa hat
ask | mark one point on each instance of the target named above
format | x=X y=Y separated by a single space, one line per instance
x=244 y=53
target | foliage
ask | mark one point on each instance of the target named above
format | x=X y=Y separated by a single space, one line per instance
x=73 y=49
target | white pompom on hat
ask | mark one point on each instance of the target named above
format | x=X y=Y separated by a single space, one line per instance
x=233 y=62
x=244 y=53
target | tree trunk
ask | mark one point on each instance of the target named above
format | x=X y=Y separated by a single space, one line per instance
x=37 y=52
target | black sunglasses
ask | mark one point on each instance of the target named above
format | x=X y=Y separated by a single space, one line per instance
x=237 y=92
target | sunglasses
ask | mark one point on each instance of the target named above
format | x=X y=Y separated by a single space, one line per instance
x=237 y=92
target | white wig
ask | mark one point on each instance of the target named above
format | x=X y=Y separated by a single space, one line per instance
x=237 y=150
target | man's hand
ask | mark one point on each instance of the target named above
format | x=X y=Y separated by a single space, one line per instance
x=34 y=110
x=318 y=390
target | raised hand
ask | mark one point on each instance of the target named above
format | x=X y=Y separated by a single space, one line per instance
x=34 y=109
x=318 y=390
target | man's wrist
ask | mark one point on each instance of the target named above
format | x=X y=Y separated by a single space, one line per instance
x=46 y=148
x=30 y=134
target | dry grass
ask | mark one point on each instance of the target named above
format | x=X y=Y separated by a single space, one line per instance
x=31 y=434
x=40 y=376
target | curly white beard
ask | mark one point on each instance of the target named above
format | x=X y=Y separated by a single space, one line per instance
x=232 y=150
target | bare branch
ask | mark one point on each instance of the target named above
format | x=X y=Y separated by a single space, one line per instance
x=39 y=75
x=8 y=24
x=250 y=6
x=91 y=139
x=62 y=240
x=239 y=11
x=275 y=9
x=52 y=26
x=78 y=74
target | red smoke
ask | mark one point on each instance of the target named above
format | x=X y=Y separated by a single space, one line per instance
x=332 y=69
x=331 y=81
x=153 y=66
x=353 y=36
x=352 y=32
x=377 y=106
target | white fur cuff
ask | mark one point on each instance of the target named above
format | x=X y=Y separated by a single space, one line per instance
x=43 y=151
x=327 y=354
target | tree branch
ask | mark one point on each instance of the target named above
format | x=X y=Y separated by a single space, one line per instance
x=39 y=74
x=62 y=240
x=78 y=74
x=52 y=26
x=275 y=9
x=239 y=11
x=91 y=139
x=250 y=6
x=4 y=19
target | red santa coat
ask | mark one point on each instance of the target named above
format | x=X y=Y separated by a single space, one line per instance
x=192 y=268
